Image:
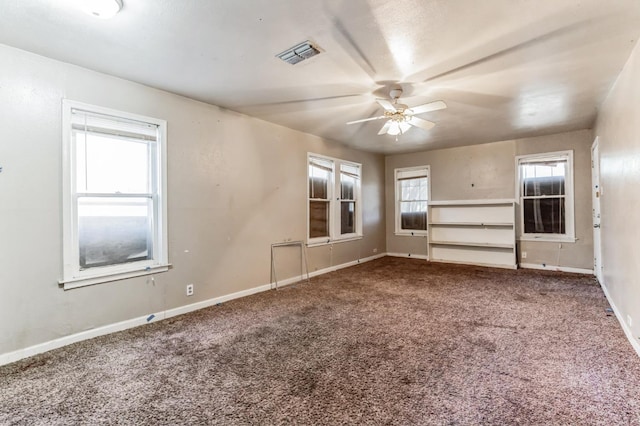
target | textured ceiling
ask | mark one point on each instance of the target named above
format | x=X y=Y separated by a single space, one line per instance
x=506 y=68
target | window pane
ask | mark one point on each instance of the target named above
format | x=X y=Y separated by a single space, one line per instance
x=544 y=216
x=108 y=164
x=318 y=182
x=318 y=219
x=347 y=187
x=413 y=189
x=113 y=231
x=543 y=178
x=413 y=215
x=347 y=217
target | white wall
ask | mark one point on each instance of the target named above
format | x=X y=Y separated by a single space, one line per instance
x=235 y=185
x=487 y=171
x=618 y=131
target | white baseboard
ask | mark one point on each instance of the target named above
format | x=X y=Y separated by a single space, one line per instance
x=19 y=354
x=556 y=268
x=627 y=331
x=409 y=255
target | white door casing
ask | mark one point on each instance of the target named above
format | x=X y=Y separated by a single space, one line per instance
x=596 y=193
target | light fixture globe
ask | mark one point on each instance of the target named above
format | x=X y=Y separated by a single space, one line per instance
x=103 y=9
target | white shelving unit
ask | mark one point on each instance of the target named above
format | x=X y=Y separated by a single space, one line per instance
x=477 y=232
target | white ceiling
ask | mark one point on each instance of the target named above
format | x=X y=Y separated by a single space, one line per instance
x=506 y=68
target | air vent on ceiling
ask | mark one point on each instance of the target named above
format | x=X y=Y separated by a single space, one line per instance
x=299 y=53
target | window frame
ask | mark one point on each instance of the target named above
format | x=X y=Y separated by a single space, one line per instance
x=335 y=201
x=73 y=275
x=396 y=185
x=569 y=197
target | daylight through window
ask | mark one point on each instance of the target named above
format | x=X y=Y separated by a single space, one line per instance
x=115 y=206
x=546 y=195
x=412 y=196
x=334 y=199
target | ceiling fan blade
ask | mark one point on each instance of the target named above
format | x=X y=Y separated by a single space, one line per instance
x=366 y=119
x=431 y=106
x=385 y=128
x=419 y=122
x=388 y=106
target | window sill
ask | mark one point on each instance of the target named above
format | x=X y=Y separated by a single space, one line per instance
x=97 y=279
x=549 y=239
x=327 y=242
x=412 y=234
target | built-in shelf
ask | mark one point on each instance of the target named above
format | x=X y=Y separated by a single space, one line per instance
x=479 y=232
x=473 y=244
x=502 y=224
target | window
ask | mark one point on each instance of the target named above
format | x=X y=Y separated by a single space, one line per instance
x=114 y=204
x=412 y=196
x=333 y=217
x=545 y=192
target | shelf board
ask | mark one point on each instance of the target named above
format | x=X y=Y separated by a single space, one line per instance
x=473 y=203
x=471 y=244
x=495 y=224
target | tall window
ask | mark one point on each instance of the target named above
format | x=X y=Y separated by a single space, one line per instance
x=334 y=199
x=114 y=198
x=412 y=196
x=545 y=192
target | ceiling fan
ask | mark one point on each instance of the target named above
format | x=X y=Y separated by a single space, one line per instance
x=400 y=117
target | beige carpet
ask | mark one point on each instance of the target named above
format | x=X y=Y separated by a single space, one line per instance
x=394 y=341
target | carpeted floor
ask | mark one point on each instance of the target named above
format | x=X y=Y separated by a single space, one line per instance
x=393 y=341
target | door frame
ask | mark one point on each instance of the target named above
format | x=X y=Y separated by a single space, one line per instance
x=596 y=216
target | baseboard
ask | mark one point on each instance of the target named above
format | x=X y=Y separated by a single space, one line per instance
x=409 y=255
x=19 y=354
x=544 y=266
x=627 y=331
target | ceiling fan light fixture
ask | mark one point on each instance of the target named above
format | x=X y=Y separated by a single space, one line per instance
x=103 y=9
x=394 y=129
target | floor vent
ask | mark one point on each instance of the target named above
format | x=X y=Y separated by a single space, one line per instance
x=299 y=53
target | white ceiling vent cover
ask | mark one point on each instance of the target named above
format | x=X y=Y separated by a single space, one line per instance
x=299 y=53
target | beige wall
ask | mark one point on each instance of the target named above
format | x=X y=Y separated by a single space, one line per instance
x=235 y=185
x=487 y=171
x=618 y=132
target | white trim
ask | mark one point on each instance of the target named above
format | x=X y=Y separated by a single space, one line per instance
x=465 y=202
x=333 y=198
x=569 y=197
x=19 y=354
x=635 y=343
x=82 y=282
x=397 y=201
x=544 y=266
x=409 y=255
x=550 y=238
x=73 y=275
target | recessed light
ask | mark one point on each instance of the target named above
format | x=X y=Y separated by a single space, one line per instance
x=103 y=9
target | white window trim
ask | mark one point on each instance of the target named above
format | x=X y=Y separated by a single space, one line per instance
x=569 y=235
x=334 y=204
x=398 y=230
x=73 y=277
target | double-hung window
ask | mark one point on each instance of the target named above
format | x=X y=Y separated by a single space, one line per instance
x=334 y=208
x=545 y=193
x=114 y=203
x=412 y=197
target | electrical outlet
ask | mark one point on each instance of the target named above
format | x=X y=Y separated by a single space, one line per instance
x=629 y=321
x=524 y=254
x=190 y=290
x=375 y=250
